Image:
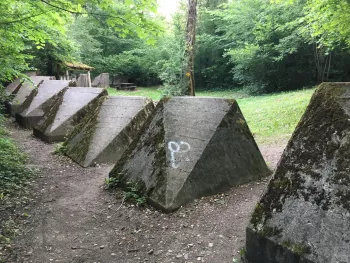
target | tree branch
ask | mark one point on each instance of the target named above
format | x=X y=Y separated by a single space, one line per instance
x=89 y=13
x=63 y=9
x=20 y=20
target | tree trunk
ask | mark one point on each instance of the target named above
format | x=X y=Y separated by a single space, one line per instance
x=323 y=64
x=190 y=42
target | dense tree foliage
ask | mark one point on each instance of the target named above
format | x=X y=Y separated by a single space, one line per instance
x=26 y=25
x=259 y=45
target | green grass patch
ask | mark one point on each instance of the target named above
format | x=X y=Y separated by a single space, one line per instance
x=271 y=118
x=155 y=93
x=151 y=92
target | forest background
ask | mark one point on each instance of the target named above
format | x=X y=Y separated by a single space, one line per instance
x=261 y=46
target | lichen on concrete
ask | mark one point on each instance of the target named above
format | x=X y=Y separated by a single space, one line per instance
x=89 y=121
x=62 y=117
x=107 y=130
x=191 y=147
x=307 y=199
x=155 y=146
x=49 y=117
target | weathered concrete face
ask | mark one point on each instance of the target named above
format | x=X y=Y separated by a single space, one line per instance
x=191 y=147
x=108 y=129
x=83 y=80
x=66 y=112
x=304 y=216
x=39 y=102
x=23 y=92
x=13 y=87
x=101 y=81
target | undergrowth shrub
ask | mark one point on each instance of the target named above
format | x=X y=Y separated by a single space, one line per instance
x=2 y=97
x=13 y=173
x=173 y=90
x=130 y=193
x=14 y=176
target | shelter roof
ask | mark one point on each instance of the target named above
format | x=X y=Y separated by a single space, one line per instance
x=75 y=65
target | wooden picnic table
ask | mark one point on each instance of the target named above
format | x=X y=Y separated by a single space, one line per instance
x=127 y=86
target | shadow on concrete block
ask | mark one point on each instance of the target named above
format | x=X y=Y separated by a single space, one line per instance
x=189 y=148
x=108 y=129
x=13 y=87
x=66 y=112
x=22 y=92
x=304 y=216
x=39 y=102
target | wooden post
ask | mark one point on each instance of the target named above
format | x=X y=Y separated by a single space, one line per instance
x=67 y=74
x=89 y=78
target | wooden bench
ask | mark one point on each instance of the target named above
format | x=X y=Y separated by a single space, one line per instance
x=127 y=86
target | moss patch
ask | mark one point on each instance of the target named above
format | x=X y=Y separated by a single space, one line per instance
x=25 y=105
x=86 y=130
x=151 y=136
x=297 y=248
x=312 y=146
x=50 y=116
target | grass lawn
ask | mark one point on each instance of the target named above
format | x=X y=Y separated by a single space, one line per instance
x=156 y=94
x=271 y=118
x=151 y=92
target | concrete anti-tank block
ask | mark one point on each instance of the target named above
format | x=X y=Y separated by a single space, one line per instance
x=66 y=112
x=24 y=90
x=108 y=129
x=189 y=148
x=304 y=215
x=39 y=102
x=13 y=87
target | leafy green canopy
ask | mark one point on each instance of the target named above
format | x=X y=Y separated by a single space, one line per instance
x=109 y=51
x=25 y=23
x=262 y=45
x=275 y=45
x=328 y=21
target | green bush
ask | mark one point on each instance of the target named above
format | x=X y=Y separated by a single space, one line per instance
x=14 y=176
x=13 y=173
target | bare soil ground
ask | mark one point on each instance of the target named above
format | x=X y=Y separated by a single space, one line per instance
x=73 y=219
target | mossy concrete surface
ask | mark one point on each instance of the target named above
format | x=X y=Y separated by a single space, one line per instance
x=101 y=81
x=304 y=216
x=39 y=102
x=107 y=130
x=66 y=112
x=13 y=87
x=189 y=148
x=23 y=91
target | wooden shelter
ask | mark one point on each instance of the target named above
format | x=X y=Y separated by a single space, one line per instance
x=74 y=66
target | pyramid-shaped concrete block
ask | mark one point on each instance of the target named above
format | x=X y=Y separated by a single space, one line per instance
x=66 y=112
x=83 y=80
x=101 y=81
x=39 y=102
x=189 y=148
x=13 y=87
x=23 y=92
x=108 y=129
x=304 y=215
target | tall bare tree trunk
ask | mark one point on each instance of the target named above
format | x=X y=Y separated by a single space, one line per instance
x=190 y=42
x=323 y=64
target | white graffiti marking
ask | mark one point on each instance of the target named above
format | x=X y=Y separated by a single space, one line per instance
x=174 y=147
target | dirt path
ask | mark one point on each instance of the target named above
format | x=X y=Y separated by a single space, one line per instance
x=74 y=220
